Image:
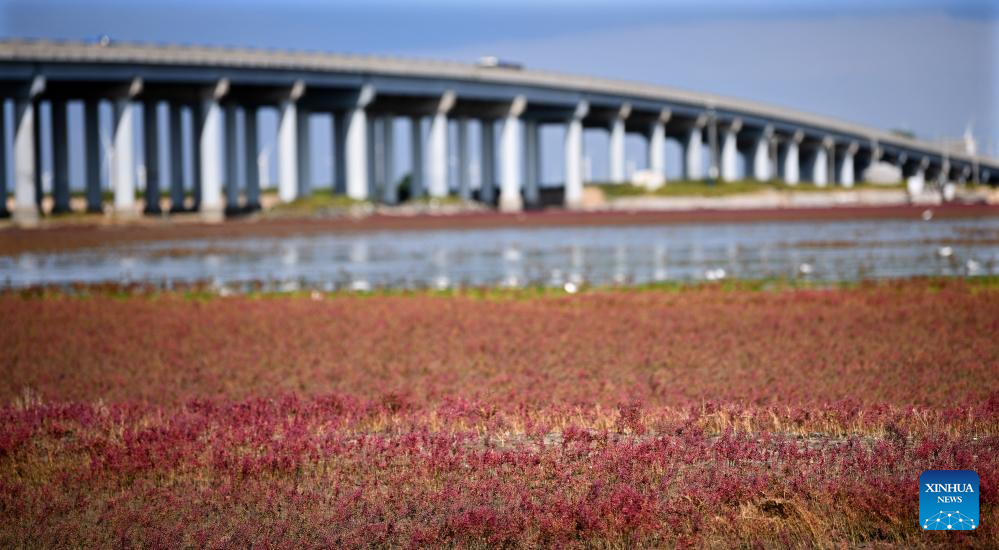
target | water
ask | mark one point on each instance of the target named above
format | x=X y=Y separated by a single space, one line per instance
x=513 y=257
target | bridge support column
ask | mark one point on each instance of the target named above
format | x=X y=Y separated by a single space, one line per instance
x=510 y=151
x=846 y=174
x=197 y=112
x=92 y=154
x=151 y=156
x=231 y=161
x=374 y=164
x=762 y=170
x=464 y=164
x=357 y=153
x=791 y=163
x=574 y=157
x=657 y=146
x=390 y=192
x=532 y=163
x=303 y=147
x=3 y=158
x=176 y=158
x=123 y=156
x=26 y=162
x=820 y=167
x=60 y=158
x=916 y=183
x=487 y=171
x=944 y=175
x=251 y=152
x=693 y=166
x=730 y=152
x=437 y=153
x=340 y=152
x=616 y=154
x=288 y=155
x=416 y=188
x=210 y=160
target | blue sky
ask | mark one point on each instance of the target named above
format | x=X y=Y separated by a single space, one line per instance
x=926 y=65
x=929 y=66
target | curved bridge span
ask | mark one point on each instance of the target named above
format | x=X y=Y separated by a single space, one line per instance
x=222 y=90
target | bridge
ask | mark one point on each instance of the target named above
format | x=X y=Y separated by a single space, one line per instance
x=222 y=90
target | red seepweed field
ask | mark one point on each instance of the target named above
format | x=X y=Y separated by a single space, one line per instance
x=706 y=416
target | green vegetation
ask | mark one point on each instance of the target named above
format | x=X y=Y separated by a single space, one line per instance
x=204 y=292
x=697 y=188
x=321 y=200
x=107 y=195
x=450 y=199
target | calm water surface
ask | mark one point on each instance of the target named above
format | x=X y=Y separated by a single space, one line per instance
x=831 y=251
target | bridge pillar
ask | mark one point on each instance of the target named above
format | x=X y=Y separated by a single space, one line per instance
x=845 y=166
x=374 y=164
x=916 y=183
x=693 y=166
x=196 y=110
x=416 y=188
x=288 y=152
x=3 y=158
x=231 y=161
x=123 y=158
x=151 y=156
x=290 y=155
x=210 y=153
x=487 y=184
x=437 y=153
x=616 y=154
x=60 y=158
x=464 y=161
x=510 y=151
x=303 y=146
x=820 y=166
x=730 y=151
x=339 y=152
x=210 y=160
x=762 y=170
x=532 y=162
x=791 y=162
x=390 y=192
x=26 y=162
x=574 y=156
x=657 y=145
x=356 y=149
x=251 y=152
x=92 y=154
x=176 y=158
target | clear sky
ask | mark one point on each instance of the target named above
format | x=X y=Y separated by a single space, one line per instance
x=929 y=66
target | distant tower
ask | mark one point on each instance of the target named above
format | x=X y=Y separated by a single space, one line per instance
x=970 y=145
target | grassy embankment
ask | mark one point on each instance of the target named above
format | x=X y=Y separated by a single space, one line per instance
x=687 y=188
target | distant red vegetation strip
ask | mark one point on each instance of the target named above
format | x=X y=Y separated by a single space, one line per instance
x=903 y=343
x=78 y=235
x=702 y=417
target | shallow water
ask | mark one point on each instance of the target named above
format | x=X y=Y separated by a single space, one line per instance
x=825 y=251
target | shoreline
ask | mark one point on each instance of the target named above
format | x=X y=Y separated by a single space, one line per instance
x=53 y=236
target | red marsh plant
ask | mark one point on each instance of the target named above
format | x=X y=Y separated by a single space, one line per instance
x=703 y=417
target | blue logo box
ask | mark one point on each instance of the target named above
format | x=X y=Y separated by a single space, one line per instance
x=948 y=500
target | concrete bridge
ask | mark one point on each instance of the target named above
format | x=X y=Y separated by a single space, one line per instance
x=222 y=90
